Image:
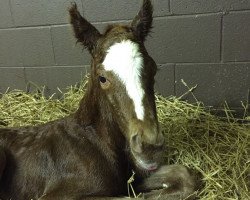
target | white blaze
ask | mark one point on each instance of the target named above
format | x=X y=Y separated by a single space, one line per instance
x=125 y=60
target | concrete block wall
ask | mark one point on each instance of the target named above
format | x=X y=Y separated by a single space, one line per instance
x=204 y=42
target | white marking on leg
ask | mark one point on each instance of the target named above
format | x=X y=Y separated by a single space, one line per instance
x=126 y=61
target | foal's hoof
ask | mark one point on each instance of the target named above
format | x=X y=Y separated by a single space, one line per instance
x=173 y=181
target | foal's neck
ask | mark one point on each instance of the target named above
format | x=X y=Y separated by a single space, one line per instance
x=95 y=111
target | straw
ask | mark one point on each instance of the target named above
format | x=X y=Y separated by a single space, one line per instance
x=218 y=148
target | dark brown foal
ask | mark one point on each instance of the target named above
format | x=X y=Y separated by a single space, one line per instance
x=91 y=153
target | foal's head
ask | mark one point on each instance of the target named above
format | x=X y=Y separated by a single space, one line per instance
x=123 y=73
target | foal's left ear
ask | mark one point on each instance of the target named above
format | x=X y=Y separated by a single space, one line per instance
x=85 y=32
x=142 y=23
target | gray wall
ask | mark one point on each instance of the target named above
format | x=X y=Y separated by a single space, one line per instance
x=203 y=42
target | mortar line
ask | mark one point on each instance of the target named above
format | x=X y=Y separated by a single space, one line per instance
x=83 y=65
x=208 y=63
x=169 y=7
x=175 y=80
x=26 y=79
x=83 y=10
x=45 y=67
x=115 y=21
x=52 y=43
x=11 y=13
x=221 y=38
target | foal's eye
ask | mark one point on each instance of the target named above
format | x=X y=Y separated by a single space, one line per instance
x=104 y=82
x=102 y=79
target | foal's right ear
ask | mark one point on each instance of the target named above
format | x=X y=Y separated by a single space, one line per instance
x=84 y=31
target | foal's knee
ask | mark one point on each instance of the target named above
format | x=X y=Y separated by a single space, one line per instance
x=173 y=179
x=2 y=161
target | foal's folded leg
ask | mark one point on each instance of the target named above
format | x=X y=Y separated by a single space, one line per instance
x=170 y=182
x=87 y=198
x=110 y=198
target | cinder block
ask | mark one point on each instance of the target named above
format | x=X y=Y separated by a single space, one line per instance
x=236 y=37
x=55 y=77
x=186 y=39
x=67 y=52
x=26 y=47
x=12 y=78
x=111 y=10
x=161 y=7
x=36 y=78
x=207 y=6
x=10 y=48
x=216 y=83
x=164 y=80
x=107 y=10
x=5 y=15
x=45 y=12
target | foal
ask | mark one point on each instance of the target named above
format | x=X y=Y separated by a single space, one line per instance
x=91 y=153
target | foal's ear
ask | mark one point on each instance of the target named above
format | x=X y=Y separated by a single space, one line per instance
x=142 y=23
x=84 y=31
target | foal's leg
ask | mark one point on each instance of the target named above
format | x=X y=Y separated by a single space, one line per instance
x=69 y=197
x=2 y=161
x=170 y=182
x=110 y=198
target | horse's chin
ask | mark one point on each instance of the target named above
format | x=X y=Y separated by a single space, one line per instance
x=150 y=167
x=144 y=165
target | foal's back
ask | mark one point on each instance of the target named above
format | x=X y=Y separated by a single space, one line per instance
x=59 y=156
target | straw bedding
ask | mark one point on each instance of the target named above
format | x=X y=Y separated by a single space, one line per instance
x=218 y=148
